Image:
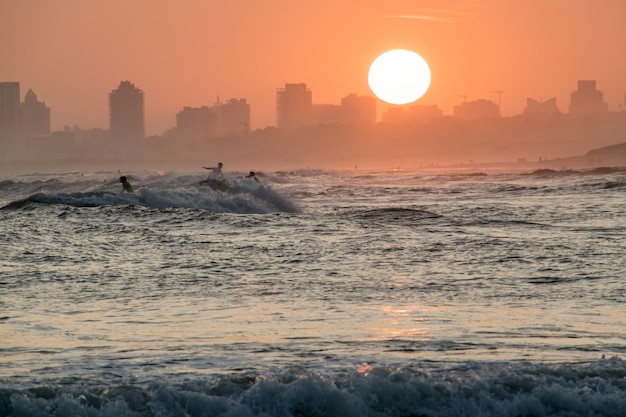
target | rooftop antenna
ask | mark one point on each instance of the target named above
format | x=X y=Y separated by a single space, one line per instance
x=499 y=93
x=464 y=97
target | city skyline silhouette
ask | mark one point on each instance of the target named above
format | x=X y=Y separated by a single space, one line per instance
x=322 y=135
x=562 y=107
x=71 y=54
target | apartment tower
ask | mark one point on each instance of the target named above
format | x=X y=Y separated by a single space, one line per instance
x=126 y=113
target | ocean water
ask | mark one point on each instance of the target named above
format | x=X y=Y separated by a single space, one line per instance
x=315 y=293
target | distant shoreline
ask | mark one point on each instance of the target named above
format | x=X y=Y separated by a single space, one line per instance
x=611 y=157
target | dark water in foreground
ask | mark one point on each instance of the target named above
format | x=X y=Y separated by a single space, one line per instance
x=318 y=293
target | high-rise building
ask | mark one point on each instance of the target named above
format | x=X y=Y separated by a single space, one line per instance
x=195 y=123
x=358 y=110
x=233 y=115
x=587 y=99
x=126 y=112
x=10 y=118
x=200 y=123
x=324 y=114
x=35 y=116
x=293 y=106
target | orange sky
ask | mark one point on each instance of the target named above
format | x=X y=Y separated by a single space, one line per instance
x=72 y=53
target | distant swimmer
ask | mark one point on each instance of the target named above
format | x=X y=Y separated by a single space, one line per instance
x=127 y=187
x=252 y=175
x=217 y=171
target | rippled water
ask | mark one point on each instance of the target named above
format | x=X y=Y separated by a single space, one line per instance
x=325 y=274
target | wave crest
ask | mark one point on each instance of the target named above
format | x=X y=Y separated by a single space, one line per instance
x=477 y=389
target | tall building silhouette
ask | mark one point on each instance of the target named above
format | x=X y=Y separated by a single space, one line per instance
x=294 y=104
x=35 y=116
x=587 y=99
x=198 y=124
x=195 y=124
x=10 y=117
x=233 y=115
x=126 y=112
x=322 y=114
x=358 y=110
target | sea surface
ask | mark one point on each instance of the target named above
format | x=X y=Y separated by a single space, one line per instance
x=468 y=292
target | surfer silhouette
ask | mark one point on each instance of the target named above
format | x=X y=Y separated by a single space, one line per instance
x=216 y=179
x=127 y=187
x=252 y=175
x=216 y=171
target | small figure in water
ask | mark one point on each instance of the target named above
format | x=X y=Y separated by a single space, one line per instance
x=127 y=187
x=217 y=171
x=252 y=175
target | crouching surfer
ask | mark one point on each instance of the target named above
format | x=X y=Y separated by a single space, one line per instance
x=252 y=176
x=127 y=187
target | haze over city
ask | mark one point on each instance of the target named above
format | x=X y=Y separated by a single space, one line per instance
x=73 y=53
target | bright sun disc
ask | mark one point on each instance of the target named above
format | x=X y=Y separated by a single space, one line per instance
x=399 y=76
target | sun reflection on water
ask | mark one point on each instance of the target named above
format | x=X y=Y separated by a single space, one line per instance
x=405 y=322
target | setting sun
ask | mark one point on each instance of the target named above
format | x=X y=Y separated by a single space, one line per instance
x=399 y=76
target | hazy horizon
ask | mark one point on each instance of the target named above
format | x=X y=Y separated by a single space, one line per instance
x=72 y=54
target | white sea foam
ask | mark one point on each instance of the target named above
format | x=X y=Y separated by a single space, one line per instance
x=241 y=196
x=494 y=390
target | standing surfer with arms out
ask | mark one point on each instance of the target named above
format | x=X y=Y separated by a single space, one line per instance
x=217 y=171
x=216 y=179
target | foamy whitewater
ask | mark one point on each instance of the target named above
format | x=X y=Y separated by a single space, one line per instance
x=314 y=293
